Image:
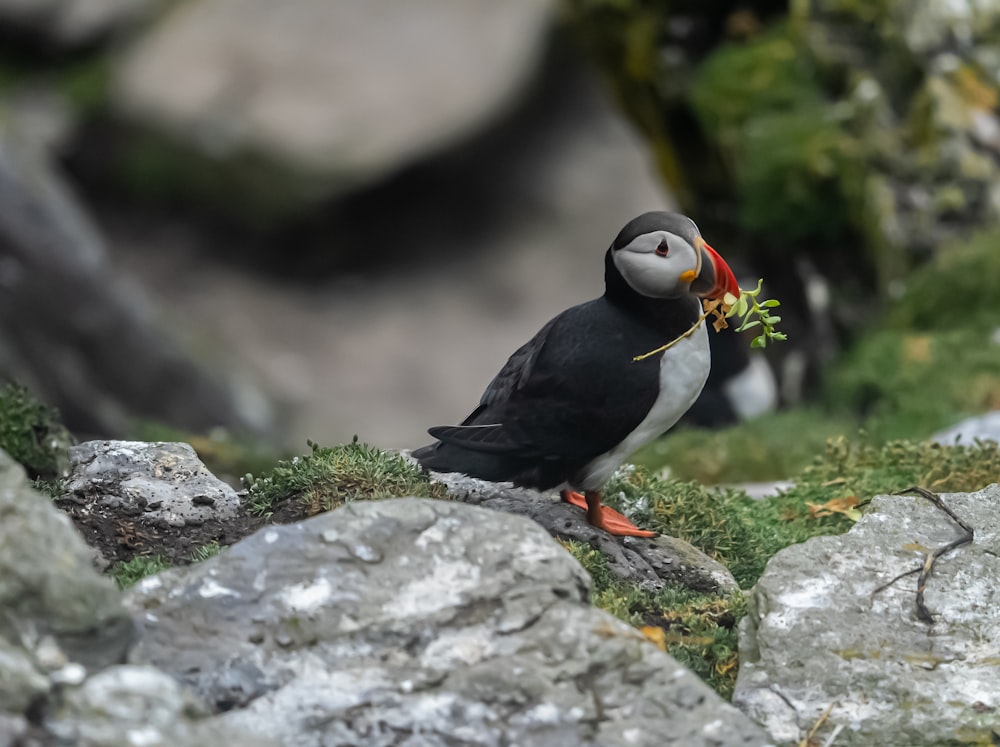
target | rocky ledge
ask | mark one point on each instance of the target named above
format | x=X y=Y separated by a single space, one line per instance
x=412 y=622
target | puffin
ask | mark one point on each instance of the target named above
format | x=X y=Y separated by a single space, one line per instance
x=575 y=401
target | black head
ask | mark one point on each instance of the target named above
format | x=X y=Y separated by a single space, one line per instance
x=662 y=255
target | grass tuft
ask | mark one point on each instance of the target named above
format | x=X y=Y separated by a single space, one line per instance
x=330 y=477
x=205 y=552
x=132 y=571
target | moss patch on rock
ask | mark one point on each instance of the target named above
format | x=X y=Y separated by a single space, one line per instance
x=330 y=477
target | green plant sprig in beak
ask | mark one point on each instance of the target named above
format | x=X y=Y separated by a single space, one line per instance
x=747 y=306
x=744 y=307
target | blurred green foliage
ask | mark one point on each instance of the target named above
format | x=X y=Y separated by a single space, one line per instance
x=959 y=288
x=788 y=152
x=33 y=434
x=128 y=573
x=771 y=447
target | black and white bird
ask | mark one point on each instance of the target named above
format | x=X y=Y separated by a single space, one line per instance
x=573 y=403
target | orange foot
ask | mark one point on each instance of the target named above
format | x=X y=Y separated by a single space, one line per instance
x=603 y=516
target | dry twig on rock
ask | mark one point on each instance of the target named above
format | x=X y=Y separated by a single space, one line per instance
x=925 y=568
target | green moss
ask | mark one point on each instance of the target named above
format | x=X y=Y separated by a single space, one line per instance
x=728 y=525
x=248 y=186
x=86 y=84
x=32 y=433
x=699 y=630
x=790 y=174
x=329 y=477
x=136 y=569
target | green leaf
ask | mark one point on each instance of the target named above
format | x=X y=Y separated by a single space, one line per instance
x=758 y=342
x=770 y=304
x=747 y=325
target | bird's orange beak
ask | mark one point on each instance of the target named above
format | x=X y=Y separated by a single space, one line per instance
x=714 y=278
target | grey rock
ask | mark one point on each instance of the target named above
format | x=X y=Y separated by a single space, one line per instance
x=60 y=622
x=125 y=706
x=982 y=427
x=646 y=562
x=52 y=601
x=165 y=482
x=415 y=622
x=334 y=94
x=77 y=332
x=817 y=635
x=22 y=682
x=13 y=729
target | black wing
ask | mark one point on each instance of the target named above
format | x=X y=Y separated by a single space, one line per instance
x=572 y=392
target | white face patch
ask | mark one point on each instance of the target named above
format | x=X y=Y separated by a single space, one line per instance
x=653 y=275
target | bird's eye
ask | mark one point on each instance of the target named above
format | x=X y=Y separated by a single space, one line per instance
x=663 y=249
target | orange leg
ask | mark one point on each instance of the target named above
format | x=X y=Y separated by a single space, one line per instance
x=603 y=516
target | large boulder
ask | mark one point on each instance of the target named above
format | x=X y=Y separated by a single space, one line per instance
x=63 y=637
x=420 y=623
x=326 y=95
x=822 y=635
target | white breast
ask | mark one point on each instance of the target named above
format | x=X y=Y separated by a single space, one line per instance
x=683 y=371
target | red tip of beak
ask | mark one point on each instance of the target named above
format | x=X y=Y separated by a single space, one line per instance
x=725 y=280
